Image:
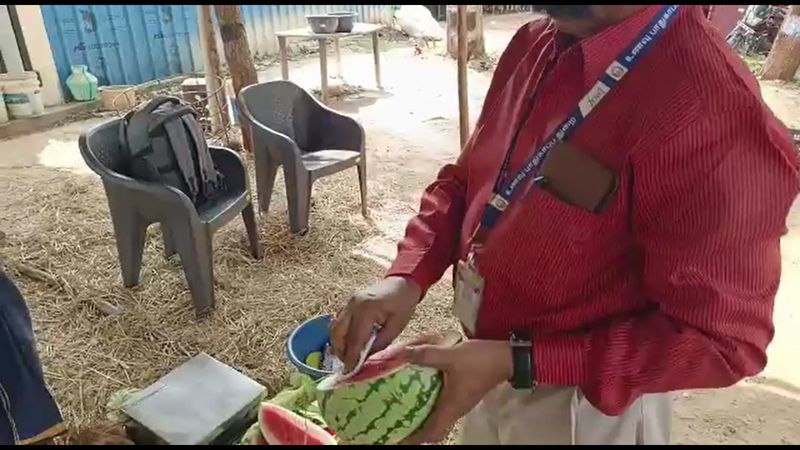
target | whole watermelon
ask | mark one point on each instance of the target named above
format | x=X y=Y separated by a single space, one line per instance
x=385 y=402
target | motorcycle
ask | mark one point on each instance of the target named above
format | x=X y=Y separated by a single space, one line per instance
x=757 y=30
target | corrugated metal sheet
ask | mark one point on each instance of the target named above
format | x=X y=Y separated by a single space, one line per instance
x=132 y=44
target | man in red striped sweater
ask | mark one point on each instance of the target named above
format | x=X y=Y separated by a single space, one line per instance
x=614 y=223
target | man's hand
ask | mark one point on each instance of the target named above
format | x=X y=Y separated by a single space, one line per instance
x=388 y=303
x=471 y=370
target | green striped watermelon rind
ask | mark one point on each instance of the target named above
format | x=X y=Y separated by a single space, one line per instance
x=385 y=402
x=383 y=411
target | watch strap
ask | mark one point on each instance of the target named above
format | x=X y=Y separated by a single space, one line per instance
x=522 y=360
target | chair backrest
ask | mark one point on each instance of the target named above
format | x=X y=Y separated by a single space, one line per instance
x=284 y=107
x=102 y=150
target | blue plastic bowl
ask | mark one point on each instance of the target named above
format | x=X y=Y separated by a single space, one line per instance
x=311 y=336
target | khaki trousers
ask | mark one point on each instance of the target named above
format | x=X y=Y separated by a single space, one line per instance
x=562 y=415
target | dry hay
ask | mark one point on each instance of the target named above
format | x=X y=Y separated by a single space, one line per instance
x=58 y=224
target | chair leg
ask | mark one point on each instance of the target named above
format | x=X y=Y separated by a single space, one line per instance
x=298 y=196
x=249 y=217
x=130 y=231
x=194 y=248
x=362 y=184
x=169 y=243
x=266 y=171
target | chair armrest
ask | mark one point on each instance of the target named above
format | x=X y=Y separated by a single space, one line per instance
x=136 y=190
x=127 y=186
x=340 y=132
x=334 y=130
x=231 y=166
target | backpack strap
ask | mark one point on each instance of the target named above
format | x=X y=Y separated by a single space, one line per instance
x=139 y=123
x=123 y=129
x=208 y=173
x=159 y=100
x=183 y=154
x=180 y=111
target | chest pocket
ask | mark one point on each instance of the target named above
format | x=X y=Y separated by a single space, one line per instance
x=577 y=178
x=569 y=228
x=558 y=240
x=574 y=203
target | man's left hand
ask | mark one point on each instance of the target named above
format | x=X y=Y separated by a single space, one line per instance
x=471 y=370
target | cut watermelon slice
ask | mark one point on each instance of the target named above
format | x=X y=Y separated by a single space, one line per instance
x=279 y=426
x=381 y=364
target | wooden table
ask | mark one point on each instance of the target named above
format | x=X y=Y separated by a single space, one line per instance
x=359 y=29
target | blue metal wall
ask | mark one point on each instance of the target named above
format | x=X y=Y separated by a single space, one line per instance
x=132 y=44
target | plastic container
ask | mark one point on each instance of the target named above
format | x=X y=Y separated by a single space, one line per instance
x=82 y=84
x=23 y=76
x=347 y=20
x=311 y=336
x=37 y=103
x=118 y=97
x=23 y=98
x=322 y=23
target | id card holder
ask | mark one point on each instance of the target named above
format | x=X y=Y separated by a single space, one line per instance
x=468 y=296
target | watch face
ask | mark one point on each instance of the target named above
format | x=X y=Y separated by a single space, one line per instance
x=518 y=336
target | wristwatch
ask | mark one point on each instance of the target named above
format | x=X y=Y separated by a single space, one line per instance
x=524 y=374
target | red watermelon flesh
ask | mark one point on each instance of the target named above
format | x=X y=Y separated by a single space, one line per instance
x=283 y=427
x=381 y=364
x=384 y=363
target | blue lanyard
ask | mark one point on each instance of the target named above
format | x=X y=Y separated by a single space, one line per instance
x=616 y=71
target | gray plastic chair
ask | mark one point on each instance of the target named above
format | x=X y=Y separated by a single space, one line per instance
x=292 y=129
x=187 y=230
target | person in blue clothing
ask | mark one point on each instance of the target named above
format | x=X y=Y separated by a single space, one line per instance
x=28 y=412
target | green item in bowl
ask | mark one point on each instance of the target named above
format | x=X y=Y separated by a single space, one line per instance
x=314 y=360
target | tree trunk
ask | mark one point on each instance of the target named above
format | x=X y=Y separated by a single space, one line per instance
x=217 y=101
x=784 y=57
x=475 y=43
x=237 y=55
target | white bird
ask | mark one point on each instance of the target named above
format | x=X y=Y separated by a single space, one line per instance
x=417 y=22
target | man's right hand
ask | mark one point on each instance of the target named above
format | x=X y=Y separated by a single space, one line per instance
x=388 y=304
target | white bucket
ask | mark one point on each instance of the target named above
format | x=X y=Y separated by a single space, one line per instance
x=3 y=111
x=23 y=98
x=23 y=76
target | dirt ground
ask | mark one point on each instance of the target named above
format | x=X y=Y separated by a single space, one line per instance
x=412 y=129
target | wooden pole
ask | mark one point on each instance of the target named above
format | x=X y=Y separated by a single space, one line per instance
x=463 y=101
x=238 y=56
x=217 y=102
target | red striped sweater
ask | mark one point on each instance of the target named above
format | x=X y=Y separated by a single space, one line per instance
x=672 y=286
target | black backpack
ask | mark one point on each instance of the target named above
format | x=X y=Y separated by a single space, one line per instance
x=167 y=145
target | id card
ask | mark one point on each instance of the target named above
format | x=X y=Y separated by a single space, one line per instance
x=468 y=296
